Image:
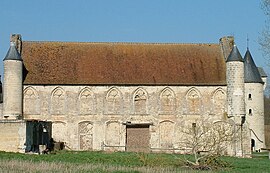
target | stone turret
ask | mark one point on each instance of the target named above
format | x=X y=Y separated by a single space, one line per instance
x=254 y=96
x=236 y=100
x=235 y=86
x=13 y=75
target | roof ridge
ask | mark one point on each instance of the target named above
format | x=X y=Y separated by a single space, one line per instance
x=131 y=43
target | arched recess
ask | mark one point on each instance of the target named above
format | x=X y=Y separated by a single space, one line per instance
x=166 y=134
x=59 y=131
x=193 y=100
x=31 y=101
x=167 y=101
x=219 y=101
x=140 y=99
x=112 y=137
x=113 y=101
x=58 y=101
x=87 y=102
x=86 y=135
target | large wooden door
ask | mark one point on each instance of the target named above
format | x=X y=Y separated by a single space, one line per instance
x=137 y=138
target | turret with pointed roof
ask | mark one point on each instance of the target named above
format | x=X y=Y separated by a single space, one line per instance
x=254 y=87
x=12 y=90
x=235 y=85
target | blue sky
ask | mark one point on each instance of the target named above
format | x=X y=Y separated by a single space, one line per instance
x=177 y=21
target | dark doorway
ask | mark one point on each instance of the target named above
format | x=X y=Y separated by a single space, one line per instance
x=137 y=138
x=252 y=145
x=37 y=133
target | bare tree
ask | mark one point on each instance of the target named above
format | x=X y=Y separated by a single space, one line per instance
x=204 y=140
x=264 y=39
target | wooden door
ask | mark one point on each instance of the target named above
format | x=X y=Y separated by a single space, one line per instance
x=137 y=138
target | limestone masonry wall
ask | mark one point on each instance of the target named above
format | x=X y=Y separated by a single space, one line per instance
x=13 y=135
x=91 y=117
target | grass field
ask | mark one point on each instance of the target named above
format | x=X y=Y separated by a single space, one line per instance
x=119 y=162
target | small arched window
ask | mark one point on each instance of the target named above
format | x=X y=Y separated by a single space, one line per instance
x=249 y=97
x=250 y=111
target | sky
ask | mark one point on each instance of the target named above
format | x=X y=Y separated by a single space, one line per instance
x=164 y=21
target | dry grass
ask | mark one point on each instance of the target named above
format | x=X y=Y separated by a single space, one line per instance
x=19 y=166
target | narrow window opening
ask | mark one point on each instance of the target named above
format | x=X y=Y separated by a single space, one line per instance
x=250 y=111
x=249 y=97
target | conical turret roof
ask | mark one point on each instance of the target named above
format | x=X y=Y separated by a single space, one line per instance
x=12 y=53
x=235 y=55
x=252 y=74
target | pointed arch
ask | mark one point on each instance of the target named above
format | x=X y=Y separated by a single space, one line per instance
x=166 y=133
x=219 y=101
x=140 y=101
x=167 y=100
x=85 y=129
x=193 y=100
x=31 y=101
x=87 y=102
x=113 y=101
x=58 y=101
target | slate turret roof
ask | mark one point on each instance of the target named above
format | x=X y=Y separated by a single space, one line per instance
x=262 y=72
x=12 y=53
x=235 y=55
x=252 y=74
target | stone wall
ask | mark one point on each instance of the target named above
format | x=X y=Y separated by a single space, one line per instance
x=94 y=117
x=13 y=135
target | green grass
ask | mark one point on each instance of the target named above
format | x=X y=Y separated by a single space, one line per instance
x=119 y=162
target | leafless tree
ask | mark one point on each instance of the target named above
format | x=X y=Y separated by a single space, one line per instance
x=264 y=39
x=203 y=139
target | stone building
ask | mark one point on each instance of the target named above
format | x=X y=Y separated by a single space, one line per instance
x=128 y=96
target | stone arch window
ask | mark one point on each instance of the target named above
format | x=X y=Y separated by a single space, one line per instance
x=193 y=98
x=219 y=101
x=167 y=101
x=112 y=138
x=140 y=101
x=58 y=100
x=86 y=102
x=113 y=101
x=86 y=135
x=31 y=101
x=166 y=134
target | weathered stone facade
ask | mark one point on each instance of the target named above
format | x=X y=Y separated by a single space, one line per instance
x=88 y=117
x=118 y=97
x=13 y=135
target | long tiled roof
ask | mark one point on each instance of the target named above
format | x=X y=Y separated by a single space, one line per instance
x=123 y=63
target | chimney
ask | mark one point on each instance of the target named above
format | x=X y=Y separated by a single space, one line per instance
x=17 y=40
x=226 y=44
